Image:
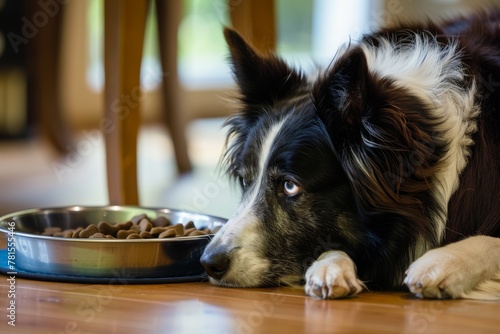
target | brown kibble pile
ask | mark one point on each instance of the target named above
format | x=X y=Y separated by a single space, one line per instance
x=139 y=227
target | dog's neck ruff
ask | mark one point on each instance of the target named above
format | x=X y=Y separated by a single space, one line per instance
x=431 y=71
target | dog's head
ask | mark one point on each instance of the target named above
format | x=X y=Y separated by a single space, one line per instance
x=296 y=200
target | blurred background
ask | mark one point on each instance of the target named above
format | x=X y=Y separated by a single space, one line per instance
x=34 y=173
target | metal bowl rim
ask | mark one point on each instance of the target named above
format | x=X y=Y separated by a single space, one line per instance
x=109 y=207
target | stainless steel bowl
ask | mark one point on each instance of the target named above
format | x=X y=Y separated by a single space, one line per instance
x=103 y=258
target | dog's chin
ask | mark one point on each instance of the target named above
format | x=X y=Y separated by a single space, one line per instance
x=229 y=283
x=246 y=279
x=242 y=283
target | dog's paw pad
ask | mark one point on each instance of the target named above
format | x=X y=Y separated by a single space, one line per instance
x=333 y=276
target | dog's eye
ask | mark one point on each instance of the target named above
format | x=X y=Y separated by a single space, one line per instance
x=243 y=183
x=290 y=188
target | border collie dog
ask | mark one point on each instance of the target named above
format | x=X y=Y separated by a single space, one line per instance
x=383 y=173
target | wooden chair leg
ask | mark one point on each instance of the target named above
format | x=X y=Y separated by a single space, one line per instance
x=44 y=64
x=125 y=22
x=169 y=17
x=255 y=20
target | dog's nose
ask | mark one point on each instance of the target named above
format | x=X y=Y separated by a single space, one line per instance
x=215 y=261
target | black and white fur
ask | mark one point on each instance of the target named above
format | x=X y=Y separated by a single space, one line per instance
x=381 y=172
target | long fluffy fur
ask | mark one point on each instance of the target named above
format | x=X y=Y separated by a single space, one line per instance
x=395 y=147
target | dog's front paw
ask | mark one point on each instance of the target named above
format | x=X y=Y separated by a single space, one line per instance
x=458 y=270
x=437 y=274
x=333 y=275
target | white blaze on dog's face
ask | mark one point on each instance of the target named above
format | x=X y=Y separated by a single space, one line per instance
x=242 y=235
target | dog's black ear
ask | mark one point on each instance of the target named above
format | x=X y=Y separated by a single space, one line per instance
x=261 y=79
x=341 y=97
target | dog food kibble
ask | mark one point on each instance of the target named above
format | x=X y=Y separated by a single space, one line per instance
x=155 y=231
x=88 y=231
x=138 y=218
x=68 y=234
x=146 y=235
x=188 y=230
x=50 y=231
x=196 y=232
x=97 y=235
x=123 y=234
x=138 y=227
x=145 y=225
x=170 y=233
x=108 y=229
x=161 y=221
x=179 y=228
x=76 y=234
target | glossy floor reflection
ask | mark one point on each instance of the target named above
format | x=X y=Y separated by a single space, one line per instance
x=45 y=307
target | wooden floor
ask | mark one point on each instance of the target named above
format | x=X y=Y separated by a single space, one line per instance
x=49 y=307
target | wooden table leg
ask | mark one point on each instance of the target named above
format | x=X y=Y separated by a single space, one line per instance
x=255 y=20
x=44 y=60
x=169 y=16
x=125 y=22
